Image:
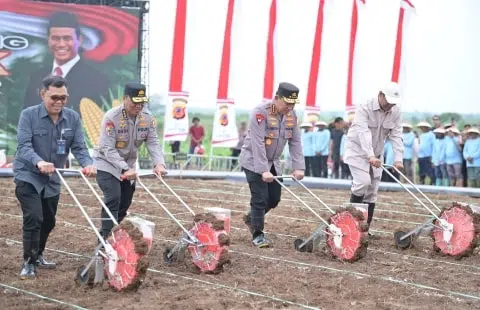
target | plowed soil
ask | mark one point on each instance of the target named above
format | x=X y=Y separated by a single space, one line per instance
x=273 y=278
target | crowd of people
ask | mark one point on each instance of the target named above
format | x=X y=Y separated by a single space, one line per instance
x=440 y=155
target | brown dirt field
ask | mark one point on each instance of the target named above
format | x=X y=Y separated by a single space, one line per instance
x=274 y=278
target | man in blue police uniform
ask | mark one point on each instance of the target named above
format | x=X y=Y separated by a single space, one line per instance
x=47 y=132
x=272 y=125
x=123 y=131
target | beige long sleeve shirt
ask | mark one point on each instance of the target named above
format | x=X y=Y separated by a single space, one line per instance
x=367 y=135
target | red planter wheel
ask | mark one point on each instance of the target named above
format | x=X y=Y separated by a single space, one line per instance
x=132 y=263
x=354 y=241
x=212 y=254
x=465 y=236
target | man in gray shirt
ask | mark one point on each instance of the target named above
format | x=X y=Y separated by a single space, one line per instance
x=124 y=129
x=272 y=125
x=47 y=132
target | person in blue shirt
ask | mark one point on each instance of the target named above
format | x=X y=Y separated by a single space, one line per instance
x=425 y=150
x=322 y=141
x=453 y=157
x=438 y=157
x=471 y=153
x=408 y=143
x=308 y=145
x=389 y=158
x=346 y=175
x=46 y=133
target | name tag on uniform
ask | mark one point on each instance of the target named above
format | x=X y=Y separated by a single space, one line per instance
x=121 y=144
x=61 y=147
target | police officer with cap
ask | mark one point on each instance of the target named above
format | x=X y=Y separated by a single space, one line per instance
x=272 y=125
x=123 y=131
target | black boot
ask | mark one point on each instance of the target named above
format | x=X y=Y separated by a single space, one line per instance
x=371 y=209
x=30 y=252
x=28 y=271
x=356 y=199
x=44 y=264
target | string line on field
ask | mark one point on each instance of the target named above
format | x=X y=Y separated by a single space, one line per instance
x=355 y=273
x=305 y=198
x=141 y=202
x=69 y=224
x=53 y=300
x=215 y=284
x=219 y=285
x=237 y=193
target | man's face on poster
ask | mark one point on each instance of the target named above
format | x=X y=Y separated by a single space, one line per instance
x=63 y=43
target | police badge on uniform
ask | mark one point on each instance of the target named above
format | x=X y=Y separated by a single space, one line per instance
x=260 y=118
x=110 y=129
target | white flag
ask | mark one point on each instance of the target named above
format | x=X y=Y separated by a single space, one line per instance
x=176 y=117
x=3 y=158
x=225 y=132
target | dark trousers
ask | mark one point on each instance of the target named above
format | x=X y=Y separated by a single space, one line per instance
x=235 y=153
x=336 y=168
x=38 y=219
x=315 y=166
x=345 y=171
x=117 y=197
x=264 y=197
x=309 y=165
x=323 y=163
x=426 y=169
x=387 y=178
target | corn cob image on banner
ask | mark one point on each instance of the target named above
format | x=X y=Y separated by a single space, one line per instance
x=97 y=56
x=92 y=118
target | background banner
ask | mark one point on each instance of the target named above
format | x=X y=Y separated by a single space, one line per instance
x=95 y=48
x=176 y=117
x=225 y=132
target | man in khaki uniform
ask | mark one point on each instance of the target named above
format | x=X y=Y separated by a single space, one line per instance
x=374 y=121
x=123 y=131
x=272 y=125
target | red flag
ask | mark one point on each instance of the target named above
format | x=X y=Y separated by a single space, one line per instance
x=270 y=63
x=178 y=55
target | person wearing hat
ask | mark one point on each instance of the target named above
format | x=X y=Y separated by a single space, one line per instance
x=124 y=129
x=471 y=153
x=322 y=141
x=453 y=157
x=375 y=121
x=439 y=157
x=408 y=152
x=272 y=125
x=308 y=146
x=425 y=149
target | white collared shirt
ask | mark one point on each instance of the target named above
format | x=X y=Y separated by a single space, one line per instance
x=66 y=67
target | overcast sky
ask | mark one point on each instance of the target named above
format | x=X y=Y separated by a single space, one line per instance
x=443 y=62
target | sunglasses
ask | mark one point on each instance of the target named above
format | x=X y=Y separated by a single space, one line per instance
x=58 y=98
